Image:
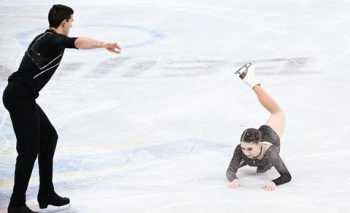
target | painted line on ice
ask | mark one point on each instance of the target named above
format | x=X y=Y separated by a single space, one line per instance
x=24 y=38
x=153 y=34
x=89 y=167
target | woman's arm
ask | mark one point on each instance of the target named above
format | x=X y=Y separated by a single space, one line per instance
x=281 y=169
x=234 y=164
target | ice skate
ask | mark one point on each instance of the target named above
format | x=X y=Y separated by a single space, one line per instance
x=247 y=74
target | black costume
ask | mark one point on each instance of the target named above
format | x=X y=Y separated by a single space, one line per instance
x=270 y=159
x=35 y=134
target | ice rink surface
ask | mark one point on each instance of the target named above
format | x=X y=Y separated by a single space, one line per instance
x=153 y=129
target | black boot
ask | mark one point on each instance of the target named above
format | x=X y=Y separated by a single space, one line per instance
x=54 y=200
x=20 y=209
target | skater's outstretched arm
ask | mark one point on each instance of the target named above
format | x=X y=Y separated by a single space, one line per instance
x=63 y=28
x=90 y=43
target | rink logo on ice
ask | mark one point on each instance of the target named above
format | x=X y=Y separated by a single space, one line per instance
x=127 y=67
x=139 y=36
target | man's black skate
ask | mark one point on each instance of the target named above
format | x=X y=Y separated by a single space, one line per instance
x=54 y=200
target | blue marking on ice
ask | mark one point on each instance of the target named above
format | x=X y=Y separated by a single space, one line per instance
x=153 y=34
x=24 y=38
x=120 y=158
x=150 y=153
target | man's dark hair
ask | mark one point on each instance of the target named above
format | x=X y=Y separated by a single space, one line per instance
x=58 y=13
x=251 y=135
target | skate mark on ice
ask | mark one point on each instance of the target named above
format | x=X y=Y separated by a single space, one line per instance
x=107 y=66
x=139 y=67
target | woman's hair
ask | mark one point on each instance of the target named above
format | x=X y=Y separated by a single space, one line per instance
x=58 y=13
x=251 y=135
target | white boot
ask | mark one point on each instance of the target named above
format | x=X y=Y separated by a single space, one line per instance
x=247 y=74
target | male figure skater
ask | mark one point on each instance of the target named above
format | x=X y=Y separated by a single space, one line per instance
x=35 y=134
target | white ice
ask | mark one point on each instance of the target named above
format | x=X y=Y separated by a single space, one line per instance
x=153 y=129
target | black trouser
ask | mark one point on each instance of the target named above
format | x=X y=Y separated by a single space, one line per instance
x=35 y=137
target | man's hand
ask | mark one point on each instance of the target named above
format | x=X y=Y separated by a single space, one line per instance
x=271 y=186
x=112 y=47
x=234 y=184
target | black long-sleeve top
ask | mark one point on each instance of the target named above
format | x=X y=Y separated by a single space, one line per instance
x=270 y=159
x=41 y=60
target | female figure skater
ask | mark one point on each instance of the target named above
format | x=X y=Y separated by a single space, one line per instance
x=260 y=147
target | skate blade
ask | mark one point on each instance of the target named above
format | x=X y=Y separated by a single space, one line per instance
x=56 y=209
x=242 y=70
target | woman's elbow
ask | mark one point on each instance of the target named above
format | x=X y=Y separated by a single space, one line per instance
x=288 y=178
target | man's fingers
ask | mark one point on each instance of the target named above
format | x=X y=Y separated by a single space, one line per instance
x=113 y=50
x=115 y=45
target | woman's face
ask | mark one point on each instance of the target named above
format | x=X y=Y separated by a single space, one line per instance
x=250 y=150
